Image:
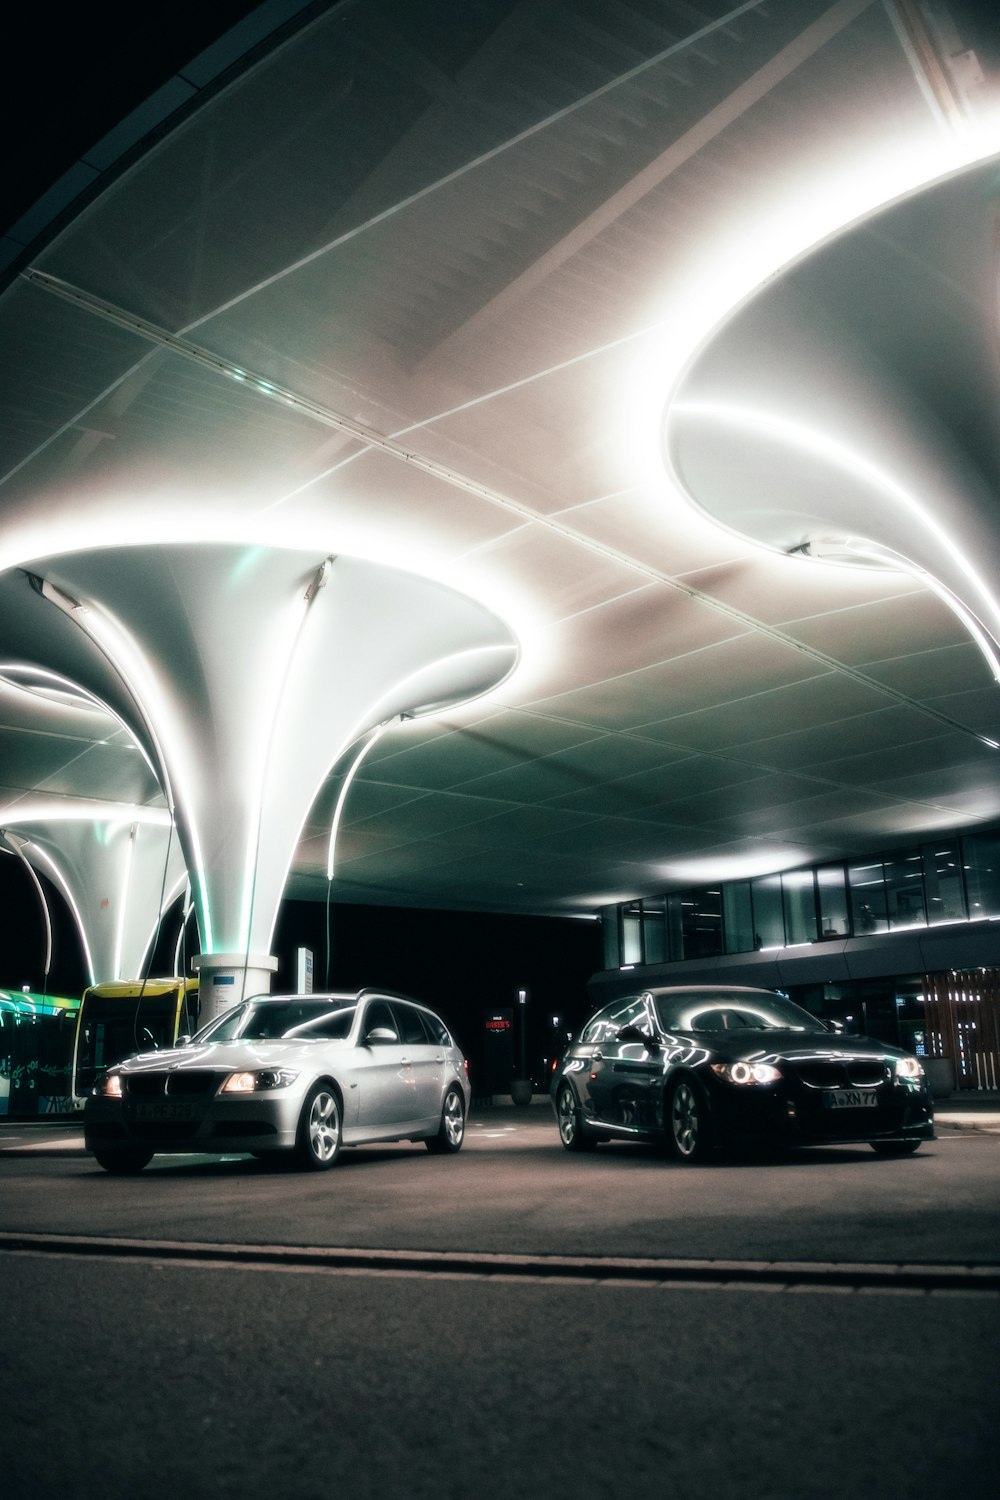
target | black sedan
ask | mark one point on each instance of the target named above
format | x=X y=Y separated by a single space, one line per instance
x=706 y=1067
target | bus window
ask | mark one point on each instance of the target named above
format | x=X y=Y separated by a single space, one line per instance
x=119 y=1019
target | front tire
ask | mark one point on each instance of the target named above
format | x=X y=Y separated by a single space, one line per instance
x=570 y=1117
x=687 y=1122
x=895 y=1148
x=320 y=1130
x=451 y=1132
x=125 y=1161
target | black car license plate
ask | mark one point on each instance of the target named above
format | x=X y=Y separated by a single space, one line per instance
x=165 y=1111
x=849 y=1098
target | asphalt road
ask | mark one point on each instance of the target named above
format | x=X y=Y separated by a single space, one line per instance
x=514 y=1190
x=134 y=1366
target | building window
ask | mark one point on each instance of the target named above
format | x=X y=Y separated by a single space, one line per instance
x=831 y=890
x=768 y=912
x=981 y=853
x=654 y=930
x=675 y=925
x=737 y=916
x=609 y=932
x=632 y=933
x=904 y=889
x=867 y=887
x=798 y=895
x=943 y=882
x=702 y=923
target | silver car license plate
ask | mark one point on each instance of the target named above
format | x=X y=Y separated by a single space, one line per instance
x=163 y=1111
x=849 y=1098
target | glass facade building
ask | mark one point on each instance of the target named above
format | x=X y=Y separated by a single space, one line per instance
x=953 y=878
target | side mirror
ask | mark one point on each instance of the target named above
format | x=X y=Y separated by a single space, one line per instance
x=633 y=1034
x=183 y=1041
x=380 y=1034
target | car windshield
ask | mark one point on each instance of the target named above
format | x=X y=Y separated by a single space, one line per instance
x=747 y=1010
x=299 y=1020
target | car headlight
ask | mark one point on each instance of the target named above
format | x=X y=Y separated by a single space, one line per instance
x=908 y=1067
x=110 y=1086
x=747 y=1072
x=258 y=1082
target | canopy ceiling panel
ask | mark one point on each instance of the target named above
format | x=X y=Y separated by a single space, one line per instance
x=547 y=301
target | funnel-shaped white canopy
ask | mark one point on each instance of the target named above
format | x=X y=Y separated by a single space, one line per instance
x=246 y=672
x=118 y=867
x=806 y=422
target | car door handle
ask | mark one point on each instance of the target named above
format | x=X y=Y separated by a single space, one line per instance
x=439 y=1058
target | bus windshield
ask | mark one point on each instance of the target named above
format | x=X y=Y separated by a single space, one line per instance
x=115 y=1024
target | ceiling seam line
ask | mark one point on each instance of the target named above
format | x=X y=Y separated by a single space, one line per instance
x=308 y=408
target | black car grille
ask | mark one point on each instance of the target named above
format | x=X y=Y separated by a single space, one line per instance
x=188 y=1083
x=842 y=1072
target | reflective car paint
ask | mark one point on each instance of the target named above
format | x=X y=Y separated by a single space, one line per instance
x=296 y=1074
x=703 y=1067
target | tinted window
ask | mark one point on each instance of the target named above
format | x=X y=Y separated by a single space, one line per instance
x=436 y=1029
x=411 y=1027
x=609 y=1021
x=379 y=1015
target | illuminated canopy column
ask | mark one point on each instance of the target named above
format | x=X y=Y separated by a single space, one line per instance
x=252 y=671
x=118 y=868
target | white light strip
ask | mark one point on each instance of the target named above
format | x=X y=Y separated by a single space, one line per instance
x=123 y=900
x=832 y=550
x=188 y=908
x=376 y=735
x=285 y=640
x=141 y=681
x=817 y=444
x=63 y=885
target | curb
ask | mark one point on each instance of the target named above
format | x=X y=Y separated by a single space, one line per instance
x=777 y=1274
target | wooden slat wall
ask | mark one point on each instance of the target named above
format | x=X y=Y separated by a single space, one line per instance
x=962 y=1021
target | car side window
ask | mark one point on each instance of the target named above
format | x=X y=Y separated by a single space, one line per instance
x=606 y=1025
x=411 y=1026
x=379 y=1015
x=436 y=1029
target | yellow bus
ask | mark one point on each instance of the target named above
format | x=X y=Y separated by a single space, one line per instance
x=125 y=1016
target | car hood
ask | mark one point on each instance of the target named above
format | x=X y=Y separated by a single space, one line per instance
x=772 y=1045
x=233 y=1056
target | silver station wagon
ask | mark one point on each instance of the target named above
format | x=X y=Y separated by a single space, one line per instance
x=300 y=1074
